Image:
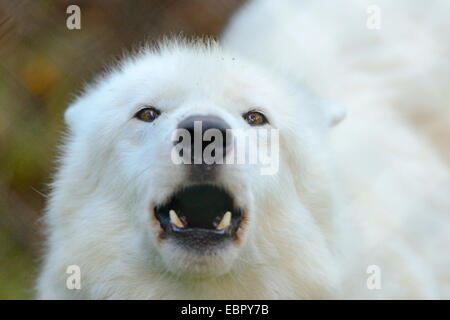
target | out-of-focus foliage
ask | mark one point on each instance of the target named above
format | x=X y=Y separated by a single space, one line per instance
x=42 y=66
x=17 y=271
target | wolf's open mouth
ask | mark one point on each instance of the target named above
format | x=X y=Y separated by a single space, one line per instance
x=200 y=213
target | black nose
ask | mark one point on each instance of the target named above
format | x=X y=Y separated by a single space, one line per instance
x=197 y=125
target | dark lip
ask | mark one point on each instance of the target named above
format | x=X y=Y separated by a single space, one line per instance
x=201 y=241
x=225 y=231
x=200 y=207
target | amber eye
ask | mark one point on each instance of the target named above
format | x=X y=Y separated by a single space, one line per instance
x=147 y=114
x=255 y=118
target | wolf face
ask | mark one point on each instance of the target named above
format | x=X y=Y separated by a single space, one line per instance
x=128 y=199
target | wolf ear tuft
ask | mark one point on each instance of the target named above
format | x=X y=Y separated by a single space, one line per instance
x=76 y=115
x=72 y=117
x=69 y=117
x=330 y=113
x=334 y=113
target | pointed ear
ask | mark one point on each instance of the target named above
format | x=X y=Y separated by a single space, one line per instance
x=69 y=117
x=333 y=113
x=77 y=114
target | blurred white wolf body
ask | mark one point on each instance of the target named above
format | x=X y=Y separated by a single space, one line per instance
x=394 y=83
x=375 y=192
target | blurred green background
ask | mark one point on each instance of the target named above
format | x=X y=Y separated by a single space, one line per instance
x=42 y=66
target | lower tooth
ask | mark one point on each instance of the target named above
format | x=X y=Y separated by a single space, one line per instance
x=175 y=220
x=225 y=221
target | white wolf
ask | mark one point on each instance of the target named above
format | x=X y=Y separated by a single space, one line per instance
x=368 y=195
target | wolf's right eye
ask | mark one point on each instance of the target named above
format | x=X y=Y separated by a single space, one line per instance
x=147 y=114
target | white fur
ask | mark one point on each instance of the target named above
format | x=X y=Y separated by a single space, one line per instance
x=370 y=191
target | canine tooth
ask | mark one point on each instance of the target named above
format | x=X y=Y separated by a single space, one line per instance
x=225 y=221
x=175 y=220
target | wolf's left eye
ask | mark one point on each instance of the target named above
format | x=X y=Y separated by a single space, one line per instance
x=147 y=114
x=255 y=118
